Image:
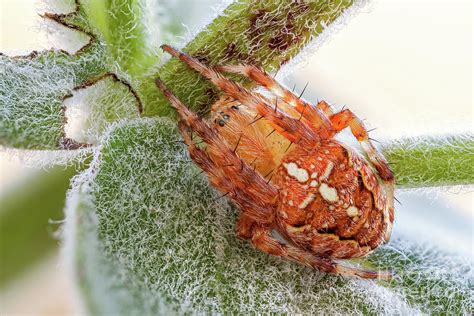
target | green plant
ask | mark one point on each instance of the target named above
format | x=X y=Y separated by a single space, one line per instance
x=25 y=213
x=143 y=233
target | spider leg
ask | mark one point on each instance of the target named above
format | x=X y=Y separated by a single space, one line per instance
x=345 y=119
x=318 y=116
x=293 y=129
x=325 y=108
x=245 y=226
x=260 y=211
x=261 y=238
x=226 y=170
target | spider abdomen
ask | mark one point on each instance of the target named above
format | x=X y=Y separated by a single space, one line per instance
x=329 y=201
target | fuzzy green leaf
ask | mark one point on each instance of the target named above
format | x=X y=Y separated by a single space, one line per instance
x=90 y=110
x=32 y=90
x=150 y=234
x=33 y=114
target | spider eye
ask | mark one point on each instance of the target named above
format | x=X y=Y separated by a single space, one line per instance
x=221 y=123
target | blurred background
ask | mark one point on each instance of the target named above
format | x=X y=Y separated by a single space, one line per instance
x=404 y=66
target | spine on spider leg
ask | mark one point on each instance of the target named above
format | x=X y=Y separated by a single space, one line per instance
x=431 y=161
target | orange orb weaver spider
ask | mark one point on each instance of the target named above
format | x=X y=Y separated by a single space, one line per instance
x=325 y=200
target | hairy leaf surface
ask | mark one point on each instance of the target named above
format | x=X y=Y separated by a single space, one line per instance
x=171 y=241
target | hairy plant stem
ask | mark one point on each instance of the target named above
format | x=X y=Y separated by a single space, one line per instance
x=266 y=33
x=430 y=161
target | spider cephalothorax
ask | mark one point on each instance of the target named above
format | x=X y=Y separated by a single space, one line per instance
x=277 y=159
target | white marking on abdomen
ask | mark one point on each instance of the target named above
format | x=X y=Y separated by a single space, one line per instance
x=299 y=174
x=328 y=193
x=327 y=172
x=352 y=211
x=309 y=198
